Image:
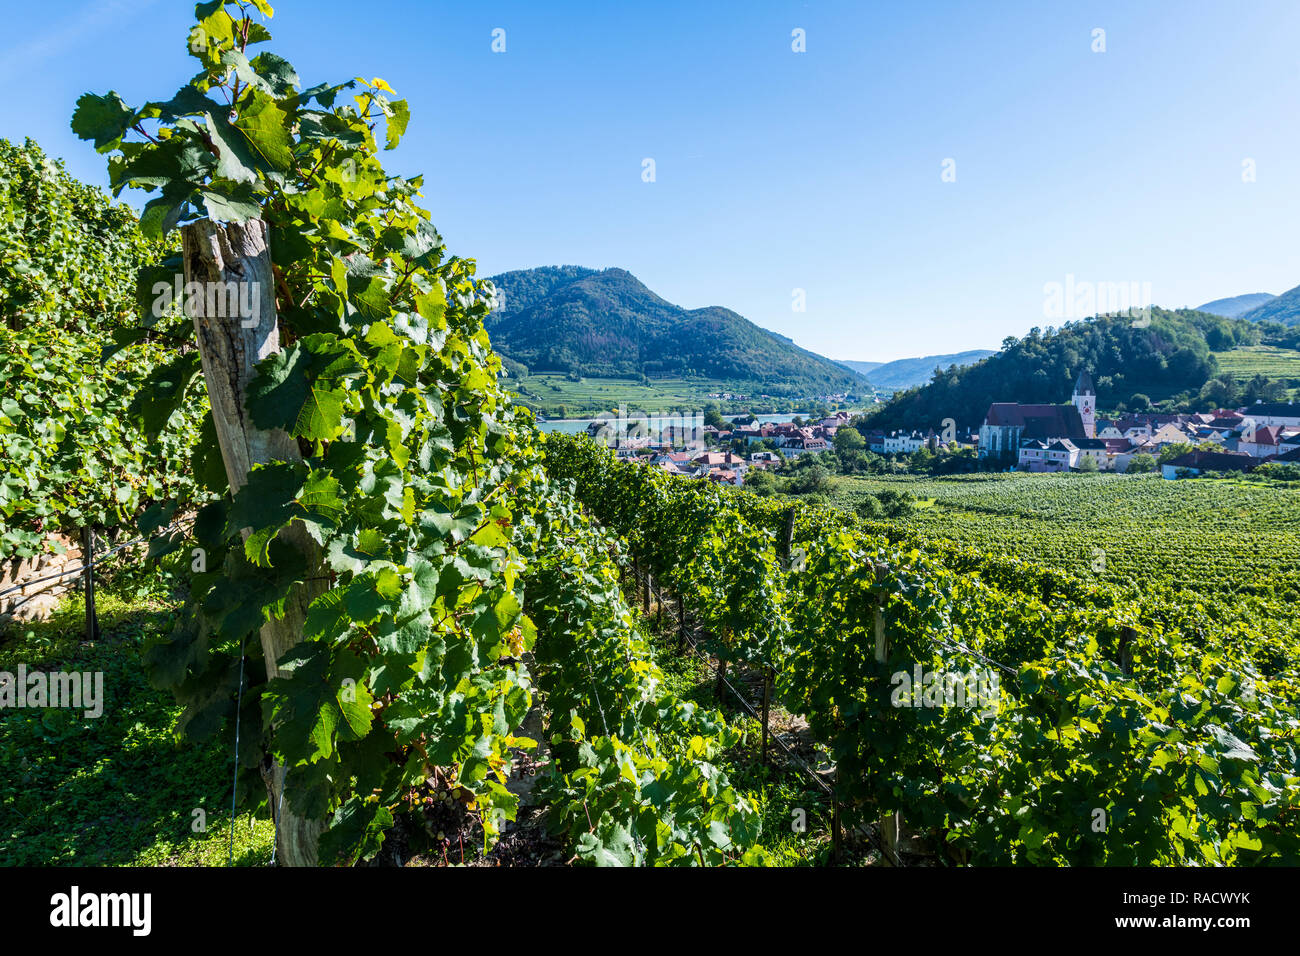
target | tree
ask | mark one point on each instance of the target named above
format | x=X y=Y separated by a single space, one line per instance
x=1260 y=388
x=760 y=481
x=1219 y=392
x=849 y=439
x=814 y=480
x=1088 y=464
x=1141 y=464
x=1139 y=402
x=922 y=460
x=713 y=416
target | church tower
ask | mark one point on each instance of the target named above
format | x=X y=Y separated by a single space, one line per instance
x=1085 y=399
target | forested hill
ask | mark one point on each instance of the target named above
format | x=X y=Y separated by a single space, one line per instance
x=1167 y=359
x=1283 y=309
x=908 y=373
x=607 y=323
x=1238 y=305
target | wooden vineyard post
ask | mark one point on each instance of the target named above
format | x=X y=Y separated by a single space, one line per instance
x=767 y=702
x=88 y=562
x=235 y=332
x=1126 y=638
x=835 y=822
x=645 y=591
x=786 y=543
x=889 y=824
x=681 y=624
x=787 y=539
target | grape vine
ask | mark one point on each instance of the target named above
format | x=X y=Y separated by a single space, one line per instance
x=442 y=540
x=1123 y=734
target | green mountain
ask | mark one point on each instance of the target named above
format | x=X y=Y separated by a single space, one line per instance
x=1237 y=306
x=1166 y=359
x=607 y=323
x=910 y=372
x=1283 y=309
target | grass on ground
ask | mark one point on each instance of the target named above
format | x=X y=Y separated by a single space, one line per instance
x=115 y=789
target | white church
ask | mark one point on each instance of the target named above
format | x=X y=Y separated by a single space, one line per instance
x=1044 y=437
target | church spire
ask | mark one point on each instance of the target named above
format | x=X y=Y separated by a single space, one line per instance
x=1085 y=399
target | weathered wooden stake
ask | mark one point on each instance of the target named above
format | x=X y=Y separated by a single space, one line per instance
x=836 y=838
x=767 y=699
x=88 y=561
x=787 y=539
x=235 y=332
x=889 y=824
x=1126 y=638
x=681 y=624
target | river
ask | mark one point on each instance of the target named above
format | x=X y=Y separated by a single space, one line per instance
x=575 y=426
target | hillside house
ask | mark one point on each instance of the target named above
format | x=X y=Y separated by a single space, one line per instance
x=1286 y=415
x=1260 y=442
x=1100 y=450
x=1199 y=462
x=907 y=443
x=1171 y=434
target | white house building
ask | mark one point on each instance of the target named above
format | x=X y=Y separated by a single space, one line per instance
x=1278 y=414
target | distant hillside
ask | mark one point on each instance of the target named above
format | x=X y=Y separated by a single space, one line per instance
x=1283 y=309
x=862 y=368
x=1235 y=307
x=1167 y=358
x=607 y=323
x=908 y=373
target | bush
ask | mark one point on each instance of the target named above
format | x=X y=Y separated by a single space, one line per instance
x=895 y=504
x=815 y=480
x=869 y=508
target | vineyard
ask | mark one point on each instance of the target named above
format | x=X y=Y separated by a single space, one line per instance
x=1176 y=729
x=370 y=591
x=377 y=584
x=1213 y=538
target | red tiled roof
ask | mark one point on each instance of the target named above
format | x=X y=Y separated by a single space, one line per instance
x=1037 y=421
x=1214 y=461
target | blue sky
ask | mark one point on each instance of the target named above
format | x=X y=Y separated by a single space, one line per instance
x=778 y=170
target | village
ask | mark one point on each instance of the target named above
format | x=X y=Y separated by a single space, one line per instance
x=1013 y=437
